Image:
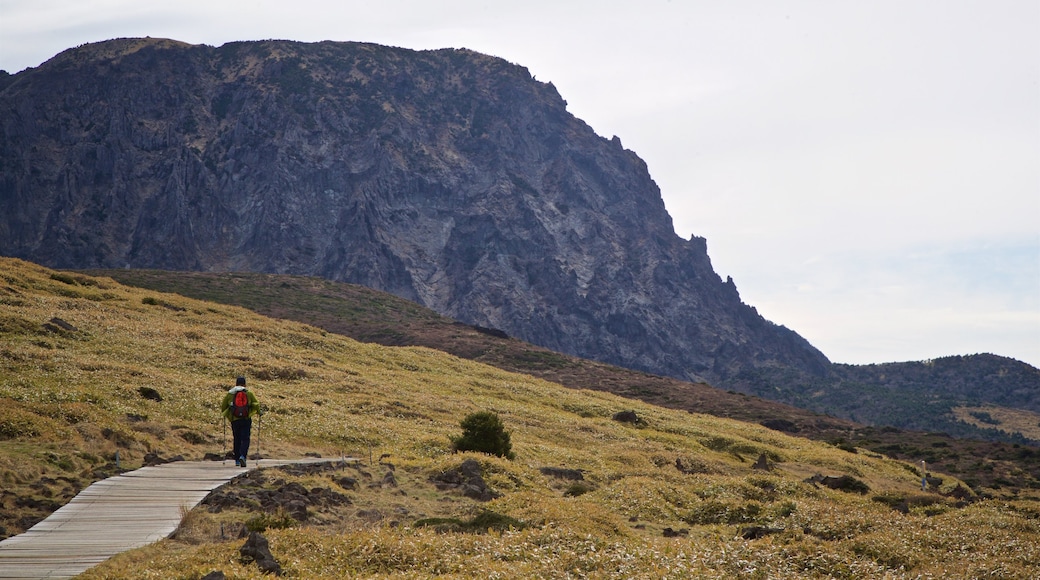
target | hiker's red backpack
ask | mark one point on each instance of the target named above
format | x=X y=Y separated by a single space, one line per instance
x=240 y=405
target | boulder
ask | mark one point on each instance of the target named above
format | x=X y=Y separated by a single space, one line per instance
x=256 y=549
x=468 y=479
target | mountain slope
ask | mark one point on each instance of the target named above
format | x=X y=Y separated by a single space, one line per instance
x=372 y=316
x=446 y=177
x=675 y=496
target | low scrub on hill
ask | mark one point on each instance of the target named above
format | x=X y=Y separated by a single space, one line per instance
x=89 y=368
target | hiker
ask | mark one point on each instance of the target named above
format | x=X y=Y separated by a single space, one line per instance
x=239 y=407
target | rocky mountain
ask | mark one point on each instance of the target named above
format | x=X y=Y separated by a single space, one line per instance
x=447 y=177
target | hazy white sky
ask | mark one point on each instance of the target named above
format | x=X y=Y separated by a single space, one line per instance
x=868 y=171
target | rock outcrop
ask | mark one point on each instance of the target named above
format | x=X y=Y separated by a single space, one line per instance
x=447 y=177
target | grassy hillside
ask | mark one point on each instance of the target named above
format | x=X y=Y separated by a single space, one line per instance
x=84 y=361
x=996 y=468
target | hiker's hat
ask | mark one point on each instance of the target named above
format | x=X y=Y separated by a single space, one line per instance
x=240 y=382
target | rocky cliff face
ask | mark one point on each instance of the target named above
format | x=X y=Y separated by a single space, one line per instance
x=447 y=177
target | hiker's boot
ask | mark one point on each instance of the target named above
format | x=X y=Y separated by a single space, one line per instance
x=242 y=461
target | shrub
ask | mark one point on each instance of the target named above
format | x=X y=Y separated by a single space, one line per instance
x=577 y=488
x=15 y=423
x=267 y=521
x=192 y=437
x=723 y=512
x=481 y=523
x=63 y=278
x=483 y=432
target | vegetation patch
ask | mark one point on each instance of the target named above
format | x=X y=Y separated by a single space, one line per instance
x=484 y=432
x=271 y=521
x=484 y=522
x=842 y=483
x=578 y=488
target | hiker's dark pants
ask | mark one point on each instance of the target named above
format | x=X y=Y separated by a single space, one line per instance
x=240 y=429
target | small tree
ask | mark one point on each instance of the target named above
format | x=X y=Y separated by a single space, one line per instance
x=484 y=432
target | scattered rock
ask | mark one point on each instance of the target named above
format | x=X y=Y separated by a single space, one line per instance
x=214 y=575
x=762 y=463
x=758 y=532
x=346 y=482
x=257 y=550
x=63 y=325
x=466 y=478
x=628 y=417
x=292 y=497
x=680 y=533
x=297 y=509
x=150 y=394
x=59 y=326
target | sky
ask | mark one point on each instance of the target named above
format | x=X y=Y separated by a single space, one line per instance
x=868 y=172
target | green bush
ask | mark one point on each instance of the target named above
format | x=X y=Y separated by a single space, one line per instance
x=267 y=521
x=483 y=432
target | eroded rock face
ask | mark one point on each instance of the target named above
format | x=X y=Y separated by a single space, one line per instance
x=447 y=177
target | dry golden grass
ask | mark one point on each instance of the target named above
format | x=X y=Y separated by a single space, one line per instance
x=1020 y=421
x=71 y=399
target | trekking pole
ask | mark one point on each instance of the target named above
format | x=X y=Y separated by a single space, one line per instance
x=259 y=434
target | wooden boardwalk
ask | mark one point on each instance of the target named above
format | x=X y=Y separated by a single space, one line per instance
x=114 y=515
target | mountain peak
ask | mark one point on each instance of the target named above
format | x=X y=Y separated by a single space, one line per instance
x=448 y=177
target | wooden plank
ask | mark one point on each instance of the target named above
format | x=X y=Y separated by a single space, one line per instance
x=117 y=514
